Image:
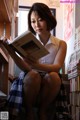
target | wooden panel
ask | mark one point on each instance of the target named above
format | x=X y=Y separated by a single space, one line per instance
x=5 y=29
x=3 y=12
x=4 y=78
x=4 y=58
x=8 y=9
x=5 y=52
x=1 y=29
x=9 y=4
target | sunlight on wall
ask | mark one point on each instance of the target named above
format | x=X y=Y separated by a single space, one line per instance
x=22 y=24
x=50 y=3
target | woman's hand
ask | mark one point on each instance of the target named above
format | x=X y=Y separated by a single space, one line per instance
x=4 y=40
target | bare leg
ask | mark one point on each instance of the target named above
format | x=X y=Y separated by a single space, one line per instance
x=51 y=87
x=31 y=86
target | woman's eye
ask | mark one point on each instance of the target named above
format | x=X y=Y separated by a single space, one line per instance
x=33 y=21
x=40 y=19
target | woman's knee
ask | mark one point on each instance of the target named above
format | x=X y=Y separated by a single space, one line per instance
x=53 y=78
x=32 y=77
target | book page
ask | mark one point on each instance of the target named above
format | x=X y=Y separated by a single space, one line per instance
x=27 y=43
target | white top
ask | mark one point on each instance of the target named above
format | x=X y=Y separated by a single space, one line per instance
x=52 y=46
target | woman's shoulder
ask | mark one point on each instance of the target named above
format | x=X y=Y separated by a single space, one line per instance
x=56 y=38
x=63 y=43
x=58 y=41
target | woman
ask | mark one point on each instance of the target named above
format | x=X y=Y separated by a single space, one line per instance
x=42 y=78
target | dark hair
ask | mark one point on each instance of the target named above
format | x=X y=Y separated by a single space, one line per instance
x=45 y=13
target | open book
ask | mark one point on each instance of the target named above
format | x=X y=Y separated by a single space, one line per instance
x=26 y=44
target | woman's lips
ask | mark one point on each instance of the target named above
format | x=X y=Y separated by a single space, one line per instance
x=38 y=30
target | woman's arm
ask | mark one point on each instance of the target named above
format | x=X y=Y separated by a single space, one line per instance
x=58 y=62
x=19 y=61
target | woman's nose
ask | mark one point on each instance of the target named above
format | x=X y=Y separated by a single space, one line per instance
x=37 y=23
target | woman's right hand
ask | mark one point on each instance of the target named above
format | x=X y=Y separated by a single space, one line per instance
x=5 y=40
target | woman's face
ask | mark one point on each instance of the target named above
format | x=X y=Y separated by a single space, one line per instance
x=38 y=24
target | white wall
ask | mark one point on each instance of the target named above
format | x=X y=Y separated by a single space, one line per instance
x=59 y=17
x=70 y=42
x=22 y=21
x=60 y=32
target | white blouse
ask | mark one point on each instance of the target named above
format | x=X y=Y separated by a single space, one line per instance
x=52 y=46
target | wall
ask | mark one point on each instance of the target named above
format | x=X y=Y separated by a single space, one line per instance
x=73 y=43
x=59 y=17
x=50 y=3
x=69 y=30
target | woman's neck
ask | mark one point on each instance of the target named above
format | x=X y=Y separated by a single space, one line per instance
x=44 y=38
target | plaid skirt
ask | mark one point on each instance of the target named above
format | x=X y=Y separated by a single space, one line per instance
x=15 y=100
